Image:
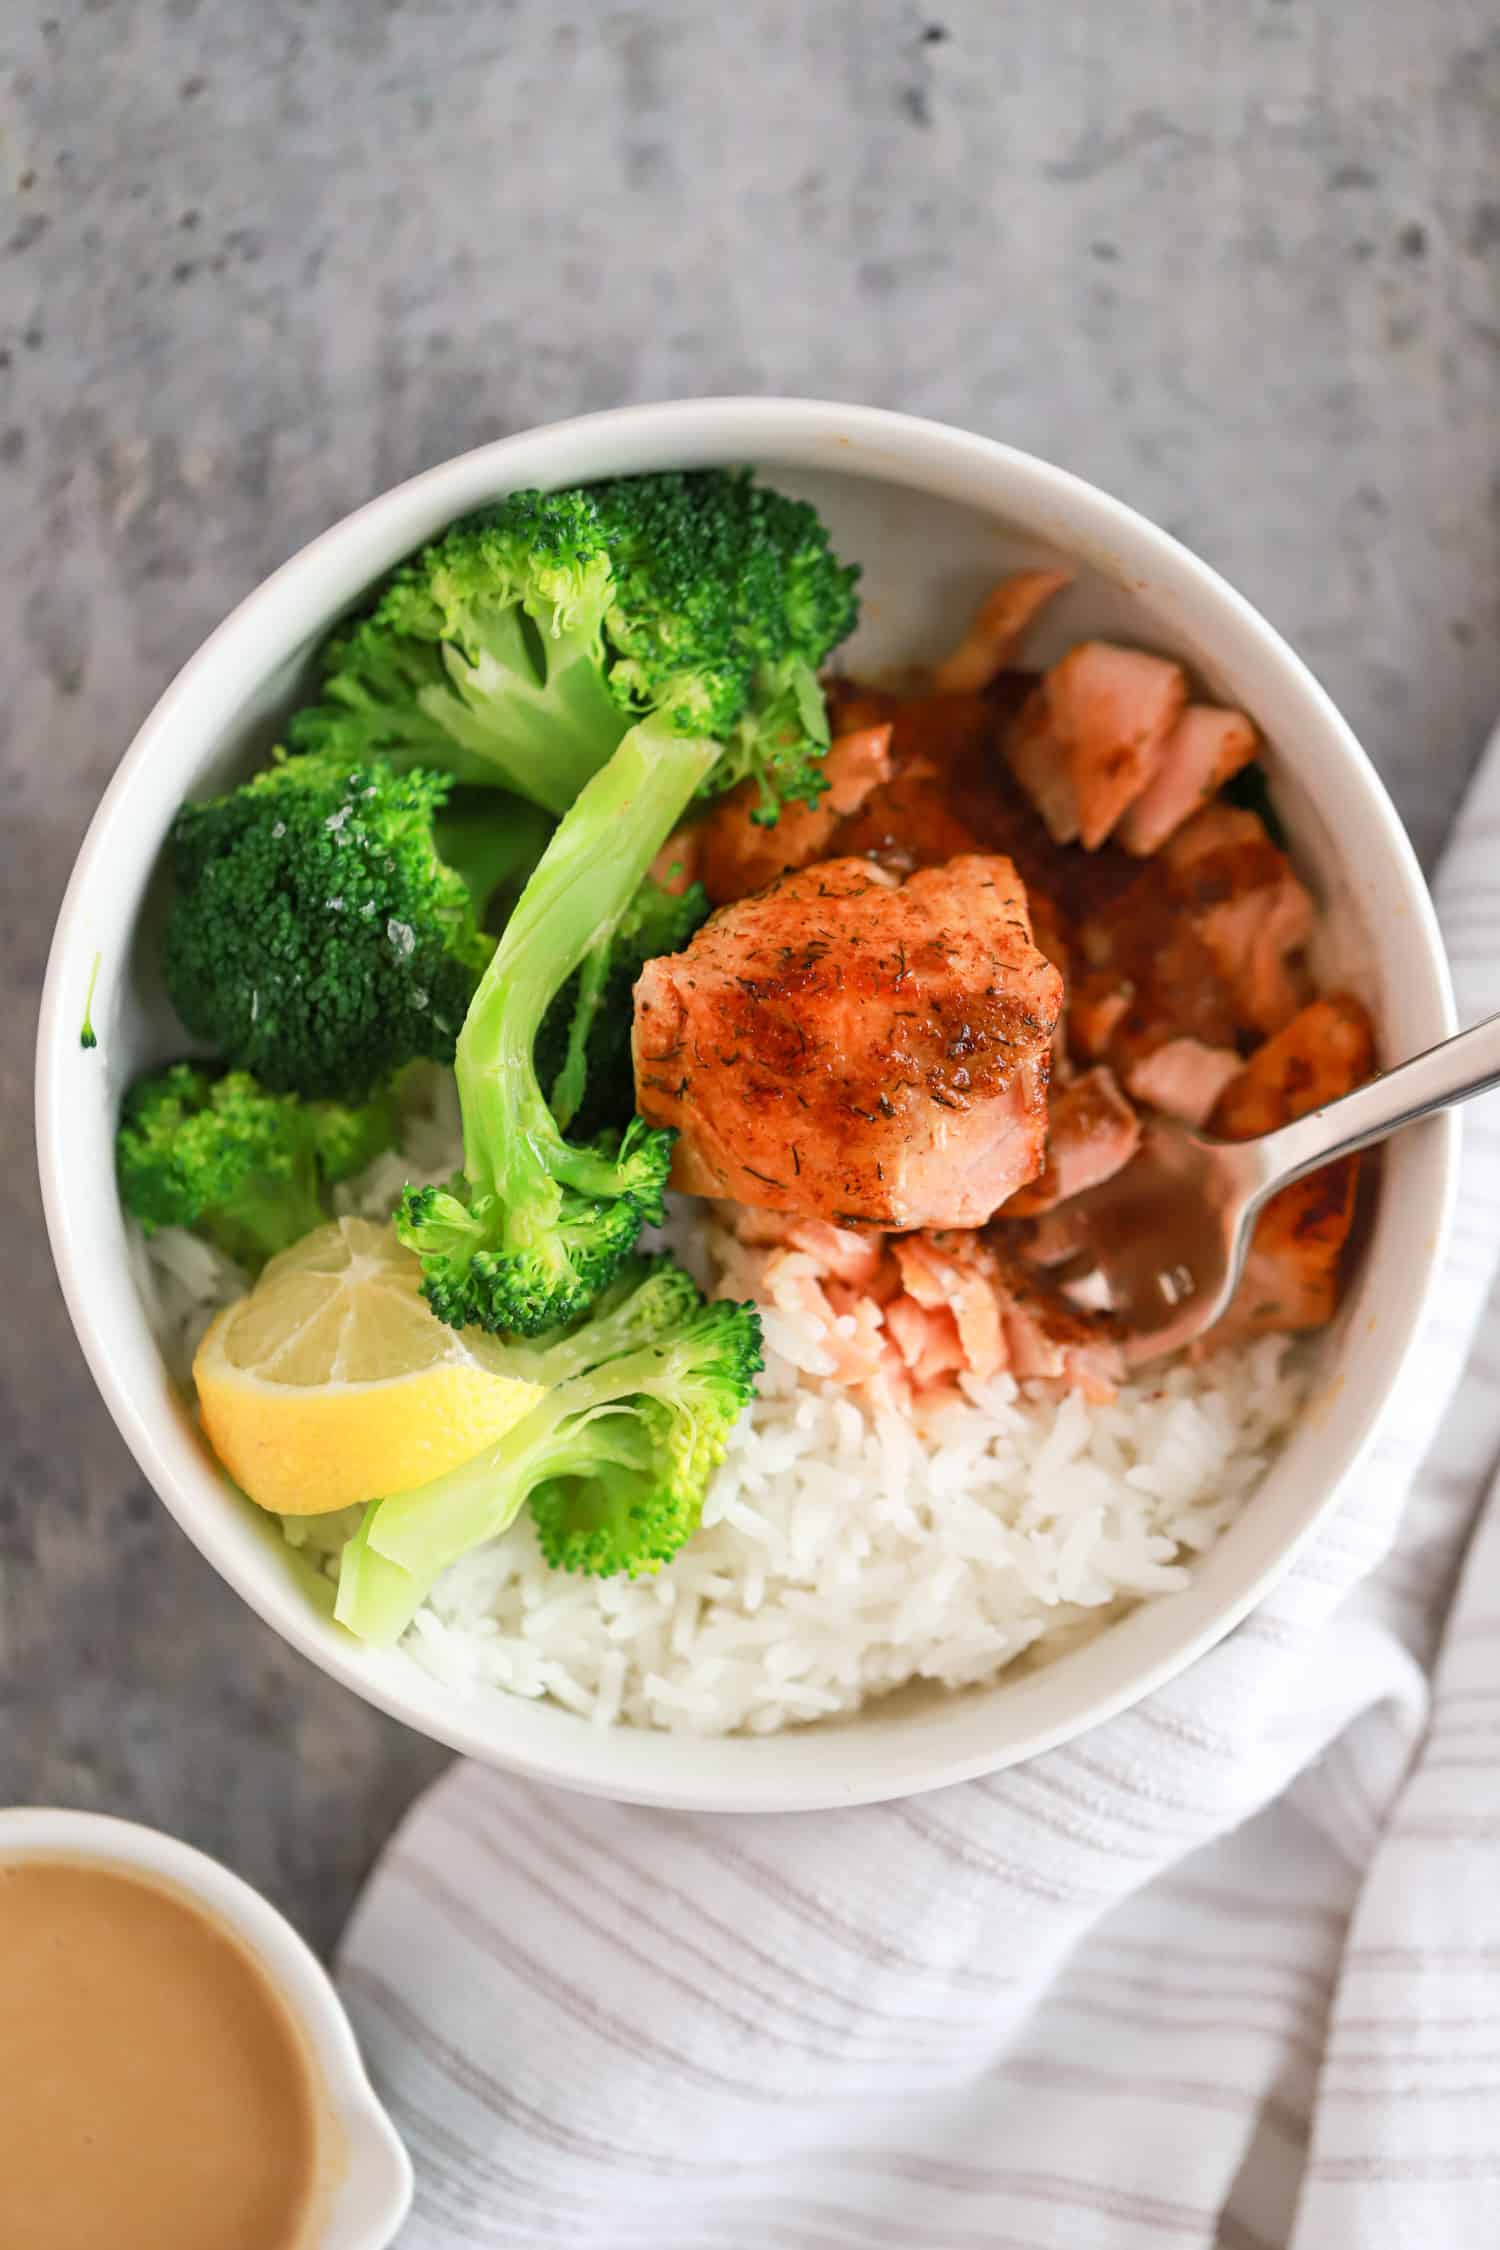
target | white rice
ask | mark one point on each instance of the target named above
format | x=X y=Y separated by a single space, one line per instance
x=844 y=1552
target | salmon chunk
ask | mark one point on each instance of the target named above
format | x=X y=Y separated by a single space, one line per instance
x=1091 y=734
x=911 y=1317
x=1092 y=1133
x=1322 y=1054
x=1184 y=1078
x=740 y=855
x=853 y=1048
x=1291 y=1277
x=958 y=1271
x=995 y=635
x=1206 y=748
x=927 y=1340
x=1047 y=1338
x=1205 y=944
x=843 y=1254
x=1247 y=907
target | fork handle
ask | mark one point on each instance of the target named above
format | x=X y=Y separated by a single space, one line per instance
x=1453 y=1071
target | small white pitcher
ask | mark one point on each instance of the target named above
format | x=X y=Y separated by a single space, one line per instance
x=370 y=2193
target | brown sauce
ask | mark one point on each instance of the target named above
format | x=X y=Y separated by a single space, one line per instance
x=155 y=2092
x=953 y=791
x=954 y=743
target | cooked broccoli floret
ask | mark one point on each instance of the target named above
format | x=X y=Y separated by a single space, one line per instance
x=583 y=1058
x=484 y=656
x=520 y=646
x=245 y=1167
x=521 y=1269
x=726 y=598
x=539 y=1224
x=315 y=937
x=615 y=1461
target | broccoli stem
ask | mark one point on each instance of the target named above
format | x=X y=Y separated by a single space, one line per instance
x=572 y=906
x=423 y=1531
x=377 y=1599
x=404 y=1544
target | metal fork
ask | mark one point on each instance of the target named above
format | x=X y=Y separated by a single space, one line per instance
x=1162 y=1245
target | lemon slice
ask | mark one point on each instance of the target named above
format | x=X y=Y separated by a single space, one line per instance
x=333 y=1382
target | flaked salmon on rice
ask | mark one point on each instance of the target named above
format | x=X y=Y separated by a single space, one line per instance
x=906 y=1317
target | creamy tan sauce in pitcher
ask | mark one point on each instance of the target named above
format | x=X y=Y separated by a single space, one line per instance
x=155 y=2090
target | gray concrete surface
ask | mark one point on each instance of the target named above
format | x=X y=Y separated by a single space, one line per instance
x=1239 y=264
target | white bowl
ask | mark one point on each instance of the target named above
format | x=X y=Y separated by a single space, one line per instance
x=934 y=515
x=372 y=2185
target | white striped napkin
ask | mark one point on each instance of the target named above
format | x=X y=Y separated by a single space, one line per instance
x=1225 y=1972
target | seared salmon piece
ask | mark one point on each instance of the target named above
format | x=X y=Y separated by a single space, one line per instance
x=1206 y=748
x=1325 y=1051
x=1092 y=1133
x=740 y=855
x=856 y=1049
x=1184 y=1078
x=1291 y=1277
x=1217 y=829
x=1205 y=944
x=1246 y=905
x=993 y=638
x=1041 y=760
x=1090 y=735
